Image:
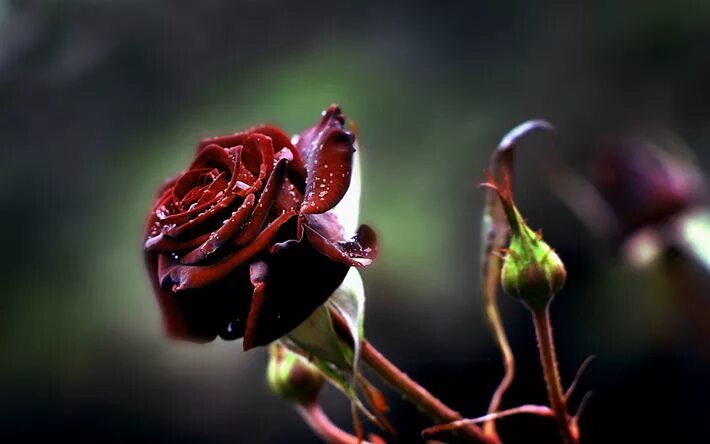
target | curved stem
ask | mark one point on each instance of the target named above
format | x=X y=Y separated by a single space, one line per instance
x=548 y=357
x=496 y=323
x=407 y=387
x=539 y=410
x=417 y=394
x=319 y=422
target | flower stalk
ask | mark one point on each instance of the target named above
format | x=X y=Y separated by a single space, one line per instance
x=322 y=426
x=409 y=389
x=496 y=323
x=548 y=358
x=418 y=395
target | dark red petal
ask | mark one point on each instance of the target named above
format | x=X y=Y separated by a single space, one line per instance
x=266 y=201
x=215 y=208
x=188 y=180
x=224 y=234
x=359 y=251
x=257 y=275
x=196 y=276
x=258 y=151
x=224 y=141
x=165 y=244
x=297 y=281
x=327 y=150
x=213 y=190
x=280 y=141
x=327 y=225
x=173 y=321
x=290 y=197
x=200 y=315
x=212 y=156
x=220 y=198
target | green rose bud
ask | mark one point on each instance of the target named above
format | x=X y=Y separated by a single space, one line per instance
x=532 y=271
x=292 y=376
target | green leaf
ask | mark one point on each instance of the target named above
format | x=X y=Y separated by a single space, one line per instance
x=349 y=301
x=317 y=338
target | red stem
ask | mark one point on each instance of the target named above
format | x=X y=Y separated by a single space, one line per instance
x=407 y=387
x=319 y=422
x=418 y=395
x=548 y=358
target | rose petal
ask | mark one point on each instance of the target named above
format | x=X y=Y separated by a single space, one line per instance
x=327 y=225
x=173 y=321
x=223 y=202
x=280 y=141
x=257 y=275
x=257 y=162
x=289 y=198
x=224 y=234
x=199 y=315
x=359 y=251
x=258 y=151
x=223 y=141
x=328 y=153
x=185 y=183
x=297 y=280
x=212 y=155
x=161 y=243
x=266 y=201
x=195 y=276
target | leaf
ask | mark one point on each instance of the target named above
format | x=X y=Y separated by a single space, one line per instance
x=349 y=301
x=316 y=337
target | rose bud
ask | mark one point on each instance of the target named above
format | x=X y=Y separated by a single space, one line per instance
x=243 y=243
x=644 y=185
x=532 y=271
x=292 y=376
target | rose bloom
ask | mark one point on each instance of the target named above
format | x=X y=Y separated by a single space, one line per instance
x=244 y=243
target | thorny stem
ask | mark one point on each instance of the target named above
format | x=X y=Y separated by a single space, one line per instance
x=555 y=393
x=407 y=387
x=321 y=425
x=417 y=394
x=539 y=410
x=493 y=315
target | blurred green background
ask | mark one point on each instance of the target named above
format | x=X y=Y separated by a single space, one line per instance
x=103 y=100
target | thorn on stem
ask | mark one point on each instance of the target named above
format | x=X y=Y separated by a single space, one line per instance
x=582 y=368
x=582 y=405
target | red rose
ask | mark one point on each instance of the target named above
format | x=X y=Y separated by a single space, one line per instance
x=242 y=243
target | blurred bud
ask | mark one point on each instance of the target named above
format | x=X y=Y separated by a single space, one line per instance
x=643 y=184
x=292 y=376
x=532 y=271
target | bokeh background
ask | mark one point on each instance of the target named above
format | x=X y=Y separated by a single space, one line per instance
x=100 y=101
